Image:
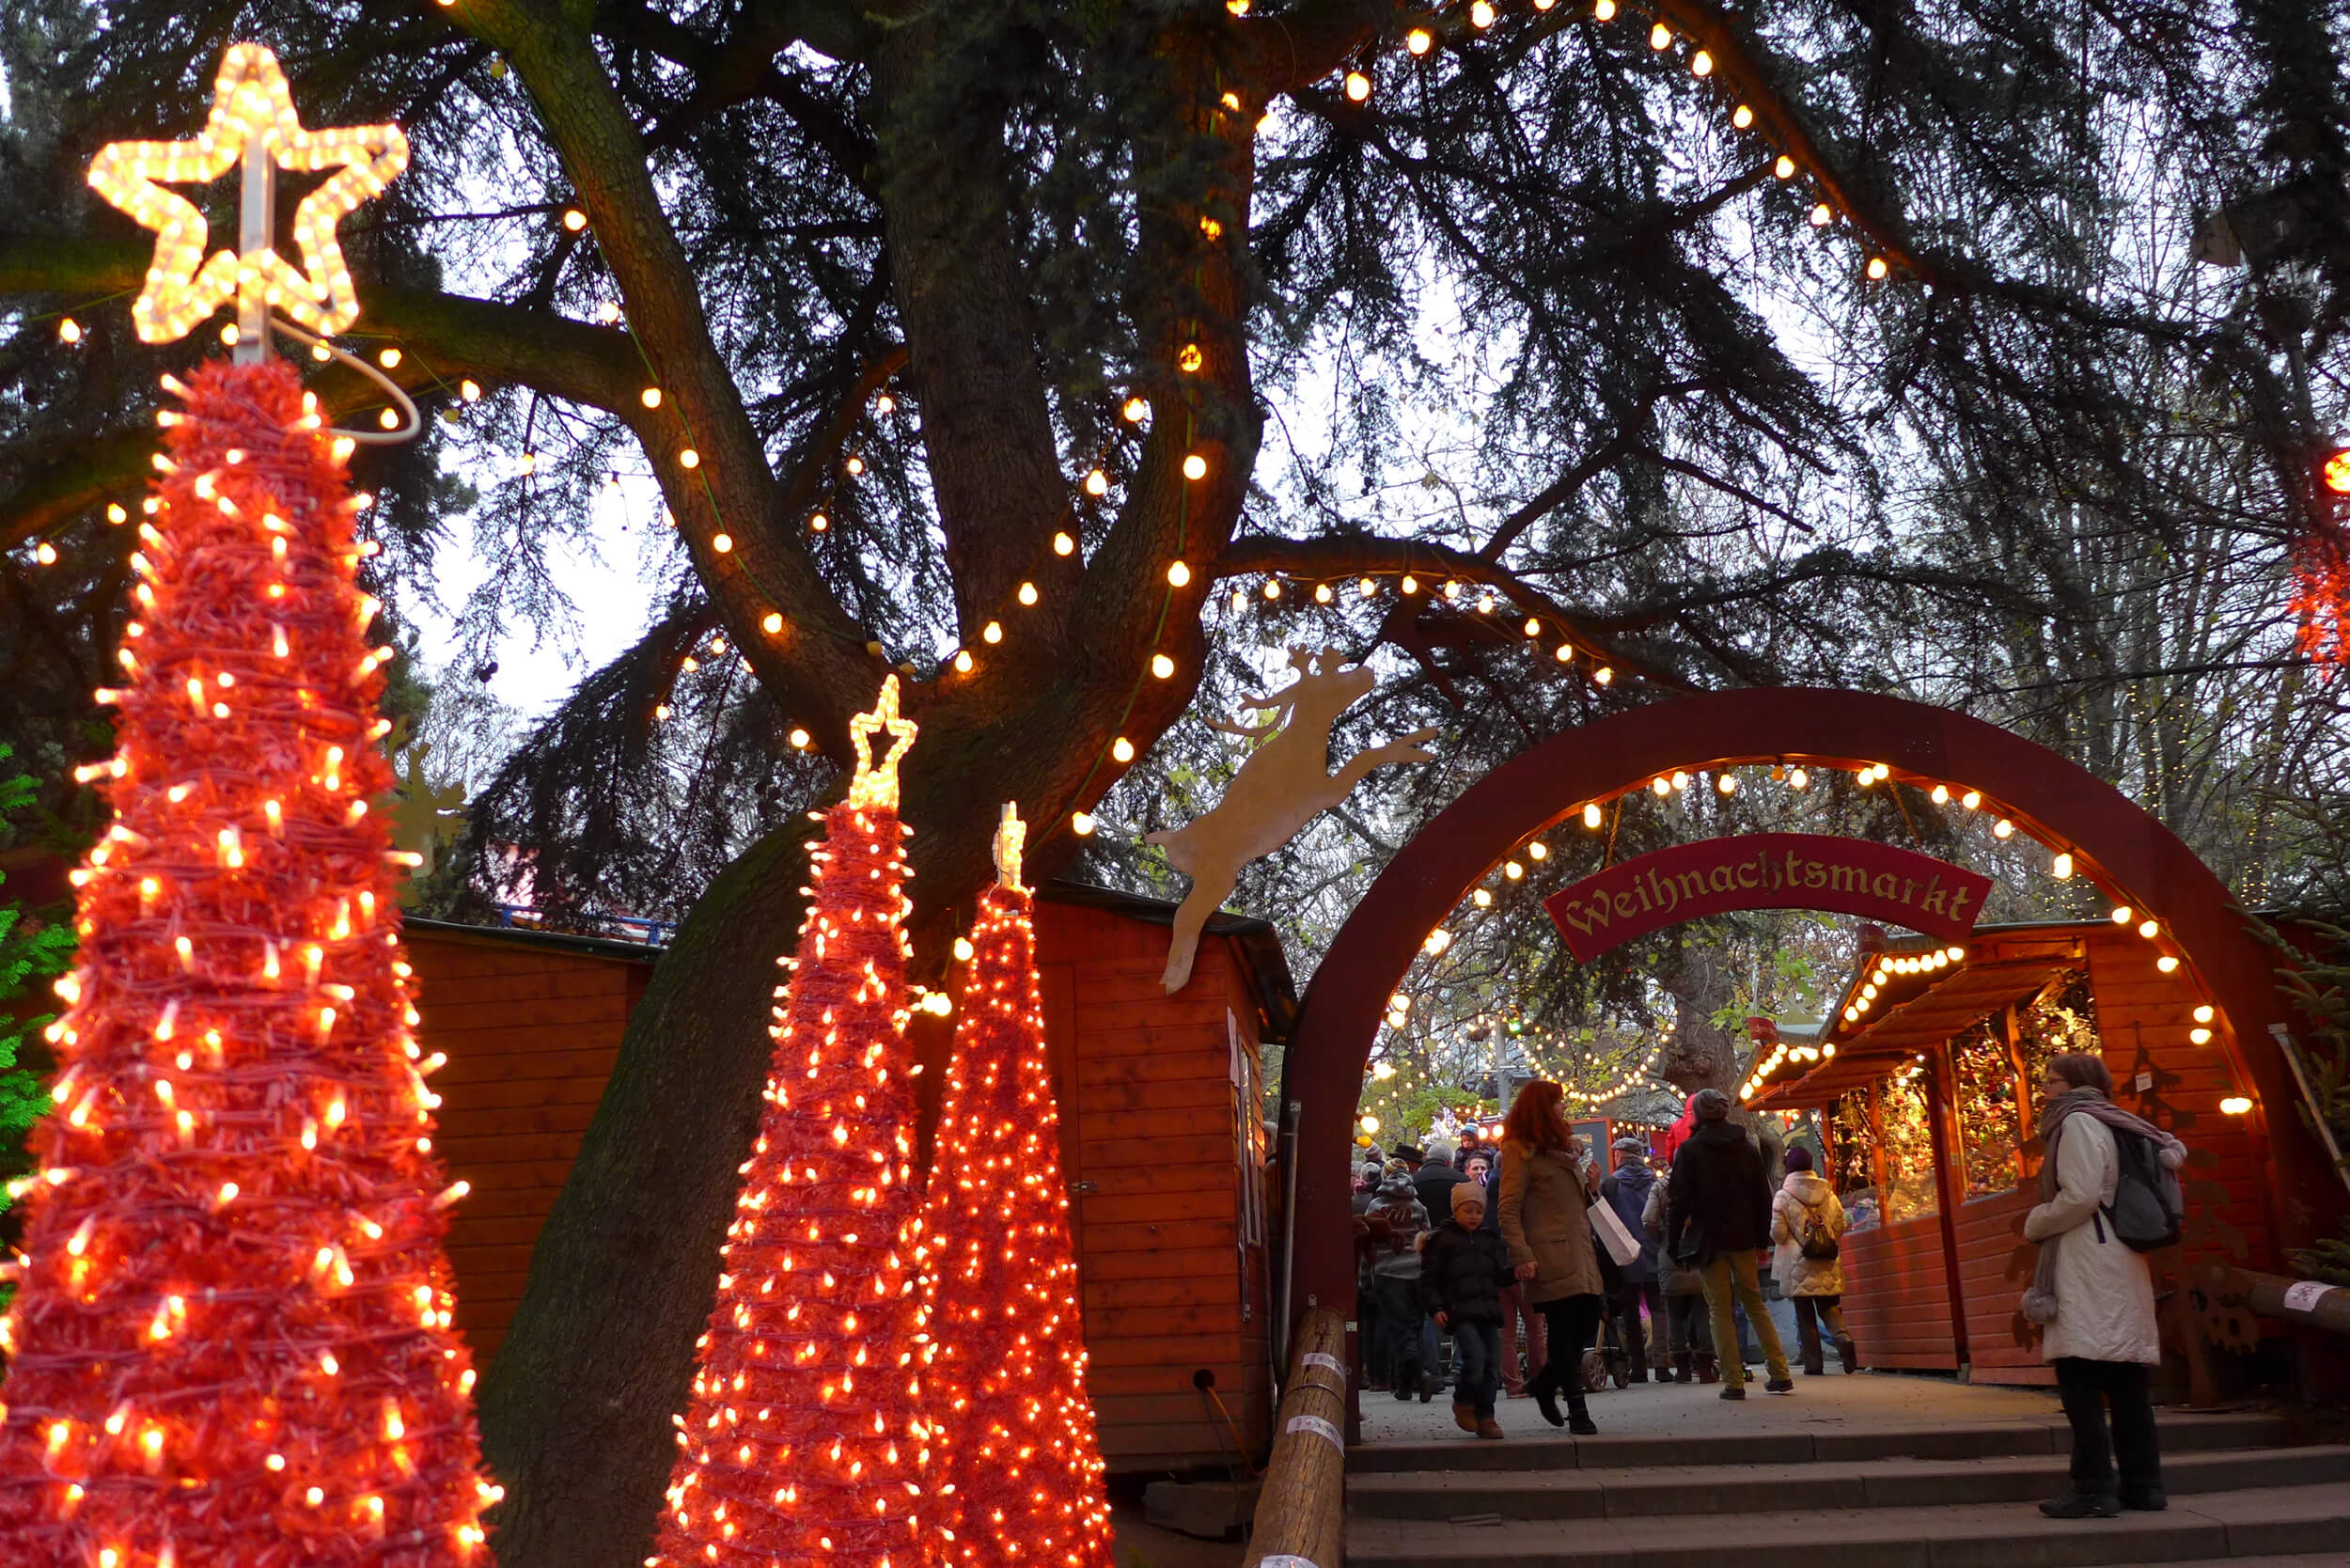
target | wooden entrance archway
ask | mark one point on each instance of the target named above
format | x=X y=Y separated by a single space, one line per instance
x=2129 y=853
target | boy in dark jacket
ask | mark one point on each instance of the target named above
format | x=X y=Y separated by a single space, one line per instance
x=1718 y=1215
x=1461 y=1277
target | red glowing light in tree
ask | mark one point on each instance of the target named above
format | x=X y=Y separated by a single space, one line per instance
x=232 y=1343
x=807 y=1436
x=1020 y=1471
x=2321 y=566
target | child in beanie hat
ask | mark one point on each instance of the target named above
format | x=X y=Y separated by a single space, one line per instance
x=1461 y=1277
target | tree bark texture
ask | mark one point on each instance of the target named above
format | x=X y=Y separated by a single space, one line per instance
x=1702 y=1054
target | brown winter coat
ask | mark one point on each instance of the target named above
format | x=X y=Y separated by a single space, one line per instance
x=1544 y=1219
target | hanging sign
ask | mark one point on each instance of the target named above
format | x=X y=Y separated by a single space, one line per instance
x=1767 y=870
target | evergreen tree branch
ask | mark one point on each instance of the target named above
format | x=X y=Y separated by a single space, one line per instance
x=113 y=467
x=1748 y=72
x=818 y=659
x=1338 y=558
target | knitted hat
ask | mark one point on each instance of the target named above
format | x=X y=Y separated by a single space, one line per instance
x=1464 y=1193
x=1440 y=1151
x=1798 y=1157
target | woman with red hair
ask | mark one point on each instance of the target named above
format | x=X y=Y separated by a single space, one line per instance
x=1547 y=1188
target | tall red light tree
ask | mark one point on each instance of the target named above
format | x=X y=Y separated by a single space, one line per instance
x=807 y=1439
x=1020 y=1469
x=233 y=1342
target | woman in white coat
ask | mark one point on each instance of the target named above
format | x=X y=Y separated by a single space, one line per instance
x=1807 y=1213
x=2094 y=1295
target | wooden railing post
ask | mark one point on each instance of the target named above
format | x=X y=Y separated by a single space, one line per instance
x=1301 y=1512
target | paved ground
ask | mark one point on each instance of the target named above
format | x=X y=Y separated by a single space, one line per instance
x=1892 y=1400
x=1138 y=1545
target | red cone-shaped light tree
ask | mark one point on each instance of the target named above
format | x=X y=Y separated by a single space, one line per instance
x=1020 y=1471
x=805 y=1441
x=231 y=1347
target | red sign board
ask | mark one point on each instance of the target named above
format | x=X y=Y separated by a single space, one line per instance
x=1767 y=870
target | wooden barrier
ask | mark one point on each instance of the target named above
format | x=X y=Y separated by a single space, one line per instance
x=1301 y=1511
x=2272 y=1296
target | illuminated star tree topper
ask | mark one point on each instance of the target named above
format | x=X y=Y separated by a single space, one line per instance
x=252 y=123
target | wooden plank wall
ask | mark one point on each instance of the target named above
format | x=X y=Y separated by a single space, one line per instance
x=1896 y=1301
x=1157 y=1180
x=1149 y=1142
x=531 y=1030
x=2143 y=1017
x=1994 y=1275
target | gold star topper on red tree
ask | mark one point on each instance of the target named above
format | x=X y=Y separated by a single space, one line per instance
x=876 y=783
x=252 y=123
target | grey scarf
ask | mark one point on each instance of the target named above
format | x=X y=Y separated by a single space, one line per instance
x=2040 y=1301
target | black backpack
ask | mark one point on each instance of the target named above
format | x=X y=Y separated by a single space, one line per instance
x=1818 y=1243
x=2149 y=1208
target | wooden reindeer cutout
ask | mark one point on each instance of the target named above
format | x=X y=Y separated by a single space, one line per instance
x=1282 y=785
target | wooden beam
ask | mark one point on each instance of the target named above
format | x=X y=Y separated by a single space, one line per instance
x=1301 y=1512
x=1942 y=1123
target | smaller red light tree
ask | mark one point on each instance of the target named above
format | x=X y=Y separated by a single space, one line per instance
x=1020 y=1471
x=806 y=1440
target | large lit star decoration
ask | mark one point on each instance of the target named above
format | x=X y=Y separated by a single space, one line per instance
x=253 y=119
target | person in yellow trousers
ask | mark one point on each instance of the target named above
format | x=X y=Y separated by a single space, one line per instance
x=1718 y=1219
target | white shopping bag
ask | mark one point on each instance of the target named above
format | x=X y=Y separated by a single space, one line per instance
x=1608 y=1227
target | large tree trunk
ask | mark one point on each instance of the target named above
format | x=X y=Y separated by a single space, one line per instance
x=1702 y=1054
x=576 y=1408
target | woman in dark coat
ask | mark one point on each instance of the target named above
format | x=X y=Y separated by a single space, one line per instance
x=1547 y=1189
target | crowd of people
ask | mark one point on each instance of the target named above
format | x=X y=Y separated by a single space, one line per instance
x=1523 y=1255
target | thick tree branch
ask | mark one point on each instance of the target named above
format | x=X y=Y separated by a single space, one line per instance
x=1305 y=42
x=1744 y=72
x=1334 y=558
x=968 y=311
x=451 y=334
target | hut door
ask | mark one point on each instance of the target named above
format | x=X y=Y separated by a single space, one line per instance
x=1248 y=1161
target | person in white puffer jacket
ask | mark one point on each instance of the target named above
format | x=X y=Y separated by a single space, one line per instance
x=1806 y=1208
x=2094 y=1296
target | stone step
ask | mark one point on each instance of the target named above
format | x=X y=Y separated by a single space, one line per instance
x=1438 y=1495
x=1828 y=1441
x=2284 y=1521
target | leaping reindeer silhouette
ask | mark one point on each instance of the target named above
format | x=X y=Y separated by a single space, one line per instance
x=1279 y=789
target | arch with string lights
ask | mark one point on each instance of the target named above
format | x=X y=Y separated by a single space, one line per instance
x=2092 y=830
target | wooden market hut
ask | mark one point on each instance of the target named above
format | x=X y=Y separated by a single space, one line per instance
x=1923 y=1088
x=1163 y=1145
